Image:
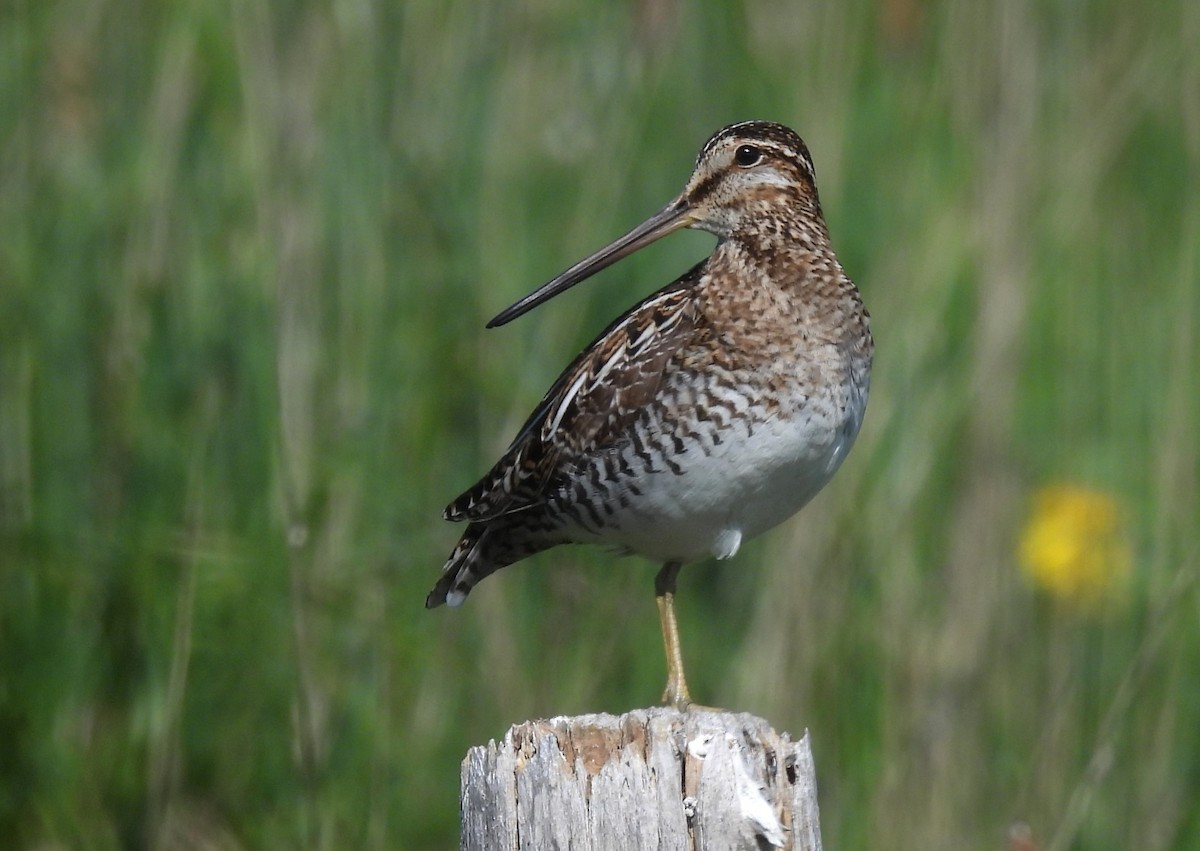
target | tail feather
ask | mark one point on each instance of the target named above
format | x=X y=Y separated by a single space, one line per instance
x=462 y=571
x=483 y=549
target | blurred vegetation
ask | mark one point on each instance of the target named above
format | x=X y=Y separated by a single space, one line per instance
x=246 y=254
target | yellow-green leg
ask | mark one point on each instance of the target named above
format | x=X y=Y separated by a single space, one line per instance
x=676 y=693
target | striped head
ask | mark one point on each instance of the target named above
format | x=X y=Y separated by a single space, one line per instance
x=744 y=171
x=755 y=176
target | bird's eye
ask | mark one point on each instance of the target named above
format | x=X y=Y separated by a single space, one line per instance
x=747 y=155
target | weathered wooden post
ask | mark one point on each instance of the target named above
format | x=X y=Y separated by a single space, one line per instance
x=650 y=779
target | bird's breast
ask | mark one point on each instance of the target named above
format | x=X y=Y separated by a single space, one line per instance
x=719 y=460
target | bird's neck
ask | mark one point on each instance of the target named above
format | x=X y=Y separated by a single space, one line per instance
x=786 y=246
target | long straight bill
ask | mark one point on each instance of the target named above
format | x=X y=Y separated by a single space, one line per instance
x=671 y=218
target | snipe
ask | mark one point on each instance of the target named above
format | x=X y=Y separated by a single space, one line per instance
x=705 y=415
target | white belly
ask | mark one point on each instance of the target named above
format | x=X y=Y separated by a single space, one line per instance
x=751 y=481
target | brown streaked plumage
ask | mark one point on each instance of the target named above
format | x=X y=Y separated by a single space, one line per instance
x=706 y=414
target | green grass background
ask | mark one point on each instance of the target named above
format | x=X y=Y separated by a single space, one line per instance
x=247 y=250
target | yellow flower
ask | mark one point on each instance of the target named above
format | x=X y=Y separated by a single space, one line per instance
x=1073 y=546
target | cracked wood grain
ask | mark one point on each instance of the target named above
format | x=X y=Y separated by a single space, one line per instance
x=649 y=779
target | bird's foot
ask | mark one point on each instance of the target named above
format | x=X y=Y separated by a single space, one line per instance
x=676 y=696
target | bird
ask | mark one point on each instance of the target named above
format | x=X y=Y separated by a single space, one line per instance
x=706 y=414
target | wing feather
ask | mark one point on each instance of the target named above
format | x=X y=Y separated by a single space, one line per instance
x=591 y=404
